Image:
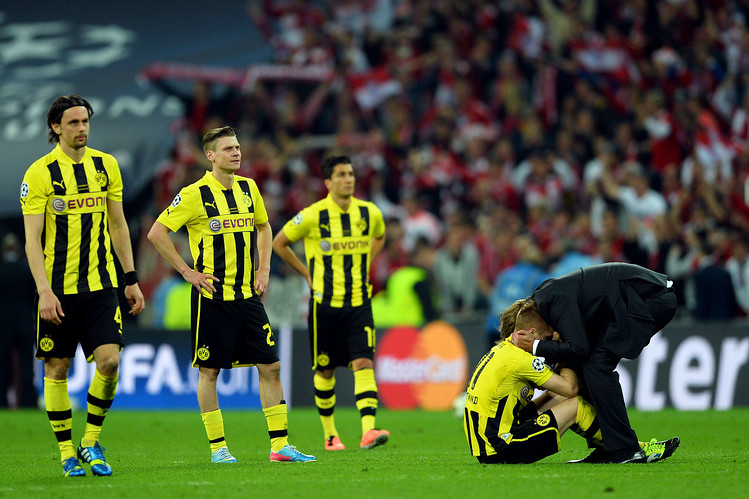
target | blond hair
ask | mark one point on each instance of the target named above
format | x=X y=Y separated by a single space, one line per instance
x=507 y=319
x=529 y=317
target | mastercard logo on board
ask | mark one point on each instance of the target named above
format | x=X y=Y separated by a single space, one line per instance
x=423 y=369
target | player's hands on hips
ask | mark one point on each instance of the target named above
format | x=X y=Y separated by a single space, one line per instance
x=523 y=340
x=262 y=276
x=50 y=308
x=135 y=299
x=200 y=281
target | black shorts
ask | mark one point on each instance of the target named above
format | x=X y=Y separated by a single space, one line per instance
x=228 y=334
x=339 y=335
x=91 y=319
x=531 y=441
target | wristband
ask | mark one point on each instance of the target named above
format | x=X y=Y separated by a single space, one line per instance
x=131 y=278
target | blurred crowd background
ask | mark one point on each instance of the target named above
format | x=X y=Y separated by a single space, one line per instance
x=505 y=142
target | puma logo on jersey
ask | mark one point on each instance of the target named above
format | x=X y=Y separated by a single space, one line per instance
x=325 y=226
x=61 y=184
x=213 y=204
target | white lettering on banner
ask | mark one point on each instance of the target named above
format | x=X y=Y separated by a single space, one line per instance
x=625 y=380
x=734 y=353
x=647 y=398
x=431 y=370
x=236 y=382
x=693 y=366
x=64 y=48
x=134 y=362
x=82 y=372
x=192 y=379
x=135 y=105
x=692 y=382
x=165 y=372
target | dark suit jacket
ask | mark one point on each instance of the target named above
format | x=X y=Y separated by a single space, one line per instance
x=600 y=304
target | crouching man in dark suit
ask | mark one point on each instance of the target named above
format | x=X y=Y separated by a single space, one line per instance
x=604 y=313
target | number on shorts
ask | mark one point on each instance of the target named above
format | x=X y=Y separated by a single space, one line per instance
x=269 y=338
x=370 y=336
x=118 y=317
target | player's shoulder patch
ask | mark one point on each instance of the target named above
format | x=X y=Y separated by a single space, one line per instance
x=537 y=364
x=298 y=219
x=24 y=190
x=177 y=200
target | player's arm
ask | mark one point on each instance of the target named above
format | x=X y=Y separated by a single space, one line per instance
x=377 y=244
x=50 y=308
x=264 y=251
x=120 y=234
x=159 y=237
x=282 y=247
x=564 y=383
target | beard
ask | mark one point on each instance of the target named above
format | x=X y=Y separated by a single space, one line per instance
x=76 y=144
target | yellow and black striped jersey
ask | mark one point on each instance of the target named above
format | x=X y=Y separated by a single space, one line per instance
x=501 y=386
x=73 y=197
x=221 y=225
x=337 y=245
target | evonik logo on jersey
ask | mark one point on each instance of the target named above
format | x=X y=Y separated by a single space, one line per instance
x=347 y=246
x=79 y=203
x=232 y=223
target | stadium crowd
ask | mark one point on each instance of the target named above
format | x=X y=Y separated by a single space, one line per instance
x=519 y=139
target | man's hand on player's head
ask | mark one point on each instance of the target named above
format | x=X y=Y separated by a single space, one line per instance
x=523 y=339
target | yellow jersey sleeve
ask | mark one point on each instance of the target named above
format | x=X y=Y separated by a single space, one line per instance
x=114 y=190
x=299 y=226
x=184 y=208
x=35 y=190
x=261 y=215
x=533 y=369
x=378 y=222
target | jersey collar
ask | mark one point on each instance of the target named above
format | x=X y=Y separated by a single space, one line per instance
x=213 y=182
x=61 y=156
x=332 y=204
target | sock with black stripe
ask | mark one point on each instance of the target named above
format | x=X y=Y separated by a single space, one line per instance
x=278 y=426
x=60 y=414
x=214 y=429
x=325 y=402
x=365 y=392
x=100 y=398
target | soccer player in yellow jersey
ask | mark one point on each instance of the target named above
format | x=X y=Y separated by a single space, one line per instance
x=71 y=200
x=342 y=235
x=502 y=421
x=222 y=211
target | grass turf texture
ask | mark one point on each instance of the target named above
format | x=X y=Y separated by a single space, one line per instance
x=166 y=454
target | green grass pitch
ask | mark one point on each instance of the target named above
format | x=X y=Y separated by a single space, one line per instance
x=166 y=454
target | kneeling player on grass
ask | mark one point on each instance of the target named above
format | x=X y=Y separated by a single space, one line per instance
x=501 y=420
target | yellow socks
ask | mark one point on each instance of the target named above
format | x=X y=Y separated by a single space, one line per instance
x=586 y=424
x=60 y=414
x=278 y=426
x=365 y=392
x=214 y=428
x=100 y=398
x=325 y=402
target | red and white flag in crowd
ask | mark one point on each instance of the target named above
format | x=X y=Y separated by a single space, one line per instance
x=371 y=88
